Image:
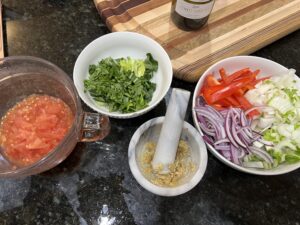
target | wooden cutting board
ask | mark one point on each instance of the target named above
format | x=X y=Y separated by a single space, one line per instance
x=1 y=33
x=235 y=27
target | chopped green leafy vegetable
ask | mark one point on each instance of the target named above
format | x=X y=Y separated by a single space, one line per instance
x=122 y=84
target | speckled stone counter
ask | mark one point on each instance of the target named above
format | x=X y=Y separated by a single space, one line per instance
x=94 y=185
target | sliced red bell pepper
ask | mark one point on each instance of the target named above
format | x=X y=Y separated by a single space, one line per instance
x=209 y=81
x=228 y=102
x=237 y=74
x=230 y=89
x=222 y=91
x=249 y=86
x=252 y=84
x=204 y=86
x=256 y=72
x=207 y=93
x=224 y=102
x=223 y=75
x=233 y=101
x=259 y=80
x=212 y=81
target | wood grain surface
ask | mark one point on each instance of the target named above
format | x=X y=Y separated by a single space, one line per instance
x=1 y=33
x=235 y=27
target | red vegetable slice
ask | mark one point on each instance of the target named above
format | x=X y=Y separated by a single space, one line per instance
x=226 y=91
x=230 y=89
x=33 y=128
x=223 y=75
x=240 y=73
x=212 y=81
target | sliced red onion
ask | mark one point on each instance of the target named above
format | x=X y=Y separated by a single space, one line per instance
x=236 y=115
x=261 y=108
x=224 y=112
x=219 y=133
x=243 y=119
x=222 y=147
x=262 y=154
x=210 y=118
x=213 y=119
x=236 y=137
x=225 y=140
x=206 y=130
x=228 y=130
x=268 y=143
x=200 y=101
x=215 y=112
x=241 y=154
x=246 y=130
x=215 y=115
x=226 y=154
x=245 y=139
x=234 y=155
x=208 y=139
x=256 y=137
x=236 y=110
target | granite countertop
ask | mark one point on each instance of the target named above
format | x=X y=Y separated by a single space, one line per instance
x=94 y=184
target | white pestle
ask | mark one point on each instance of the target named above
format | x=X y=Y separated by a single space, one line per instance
x=166 y=148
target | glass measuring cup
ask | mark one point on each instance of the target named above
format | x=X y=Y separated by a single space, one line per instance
x=21 y=76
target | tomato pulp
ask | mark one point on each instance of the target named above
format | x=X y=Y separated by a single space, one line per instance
x=34 y=127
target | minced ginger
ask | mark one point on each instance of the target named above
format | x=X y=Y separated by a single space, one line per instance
x=180 y=169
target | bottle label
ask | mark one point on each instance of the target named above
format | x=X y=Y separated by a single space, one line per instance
x=194 y=9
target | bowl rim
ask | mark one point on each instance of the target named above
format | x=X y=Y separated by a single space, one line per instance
x=263 y=172
x=127 y=35
x=167 y=191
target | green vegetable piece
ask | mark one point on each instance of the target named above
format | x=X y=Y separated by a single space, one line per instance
x=292 y=93
x=271 y=135
x=122 y=84
x=150 y=63
x=136 y=66
x=277 y=155
x=292 y=158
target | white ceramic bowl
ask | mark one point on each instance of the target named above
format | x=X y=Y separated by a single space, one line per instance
x=117 y=45
x=149 y=131
x=232 y=64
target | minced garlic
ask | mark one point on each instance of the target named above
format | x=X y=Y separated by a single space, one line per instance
x=182 y=167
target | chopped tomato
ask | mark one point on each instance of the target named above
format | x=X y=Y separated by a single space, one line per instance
x=47 y=121
x=37 y=143
x=33 y=128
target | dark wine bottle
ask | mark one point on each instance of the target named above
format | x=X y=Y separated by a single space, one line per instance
x=191 y=14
